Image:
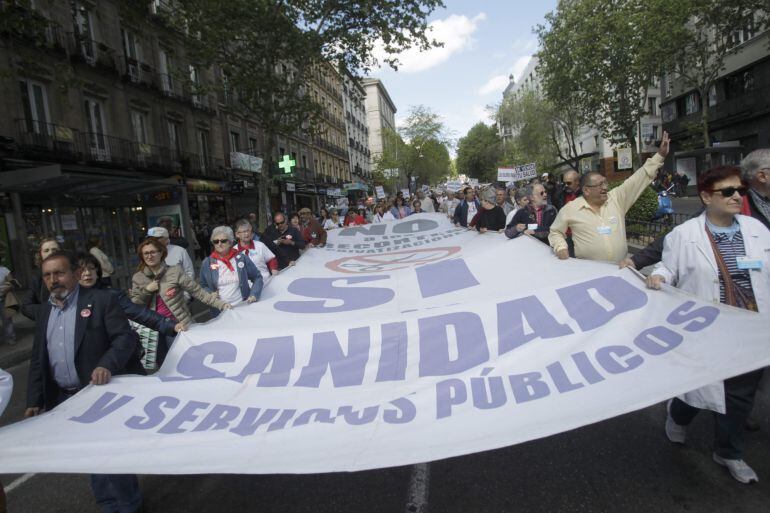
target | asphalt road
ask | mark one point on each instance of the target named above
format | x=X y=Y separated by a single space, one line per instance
x=624 y=464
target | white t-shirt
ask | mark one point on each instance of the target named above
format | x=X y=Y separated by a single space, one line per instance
x=471 y=211
x=6 y=387
x=427 y=204
x=387 y=216
x=261 y=255
x=228 y=285
x=331 y=225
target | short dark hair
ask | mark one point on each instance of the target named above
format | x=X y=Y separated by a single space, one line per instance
x=88 y=259
x=708 y=178
x=584 y=179
x=68 y=255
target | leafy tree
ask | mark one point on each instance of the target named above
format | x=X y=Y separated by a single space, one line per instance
x=538 y=131
x=425 y=133
x=699 y=34
x=602 y=56
x=478 y=153
x=268 y=49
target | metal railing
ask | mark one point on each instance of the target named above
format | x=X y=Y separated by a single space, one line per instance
x=138 y=72
x=92 y=52
x=644 y=232
x=47 y=139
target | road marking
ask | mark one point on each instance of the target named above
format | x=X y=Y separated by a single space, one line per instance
x=18 y=482
x=419 y=483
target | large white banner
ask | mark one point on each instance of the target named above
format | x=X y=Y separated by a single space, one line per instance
x=398 y=343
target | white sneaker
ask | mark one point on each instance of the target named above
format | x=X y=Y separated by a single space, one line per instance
x=738 y=469
x=675 y=433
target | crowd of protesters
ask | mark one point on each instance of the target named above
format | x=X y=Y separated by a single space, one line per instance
x=712 y=256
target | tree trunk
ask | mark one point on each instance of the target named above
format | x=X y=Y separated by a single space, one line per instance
x=264 y=182
x=704 y=123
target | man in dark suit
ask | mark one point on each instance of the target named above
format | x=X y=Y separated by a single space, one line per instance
x=82 y=337
x=467 y=209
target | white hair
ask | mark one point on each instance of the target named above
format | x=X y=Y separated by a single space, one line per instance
x=755 y=161
x=224 y=230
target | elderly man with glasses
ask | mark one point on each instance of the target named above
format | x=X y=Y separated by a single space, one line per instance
x=176 y=255
x=597 y=219
x=755 y=168
x=283 y=240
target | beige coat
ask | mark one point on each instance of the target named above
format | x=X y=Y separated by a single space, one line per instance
x=173 y=283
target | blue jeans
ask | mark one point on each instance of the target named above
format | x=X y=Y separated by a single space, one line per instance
x=116 y=493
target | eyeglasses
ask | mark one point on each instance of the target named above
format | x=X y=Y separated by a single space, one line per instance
x=603 y=184
x=728 y=192
x=280 y=224
x=219 y=241
x=150 y=253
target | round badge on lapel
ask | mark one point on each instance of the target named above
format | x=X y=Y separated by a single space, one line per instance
x=85 y=313
x=240 y=265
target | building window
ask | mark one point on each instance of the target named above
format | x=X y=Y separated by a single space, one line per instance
x=85 y=28
x=235 y=141
x=744 y=34
x=667 y=84
x=668 y=112
x=252 y=145
x=34 y=101
x=712 y=95
x=652 y=106
x=692 y=103
x=97 y=141
x=654 y=132
x=164 y=67
x=174 y=137
x=203 y=148
x=139 y=126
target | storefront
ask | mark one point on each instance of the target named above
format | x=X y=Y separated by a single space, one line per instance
x=75 y=206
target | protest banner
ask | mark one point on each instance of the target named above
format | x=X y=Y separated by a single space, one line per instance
x=380 y=190
x=454 y=186
x=395 y=344
x=513 y=174
x=406 y=193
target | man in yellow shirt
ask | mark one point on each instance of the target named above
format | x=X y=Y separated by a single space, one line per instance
x=597 y=219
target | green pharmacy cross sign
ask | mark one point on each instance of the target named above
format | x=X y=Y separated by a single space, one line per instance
x=286 y=164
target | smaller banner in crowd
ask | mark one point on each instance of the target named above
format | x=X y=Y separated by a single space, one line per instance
x=380 y=190
x=625 y=158
x=514 y=174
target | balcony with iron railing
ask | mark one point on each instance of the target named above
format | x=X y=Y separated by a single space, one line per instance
x=137 y=72
x=41 y=140
x=91 y=52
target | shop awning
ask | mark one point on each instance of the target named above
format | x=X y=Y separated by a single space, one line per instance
x=81 y=183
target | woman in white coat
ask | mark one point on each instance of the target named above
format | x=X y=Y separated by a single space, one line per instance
x=722 y=257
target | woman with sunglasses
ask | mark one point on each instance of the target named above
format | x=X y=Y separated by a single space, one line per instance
x=723 y=257
x=228 y=272
x=161 y=288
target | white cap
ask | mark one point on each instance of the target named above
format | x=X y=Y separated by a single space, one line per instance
x=158 y=231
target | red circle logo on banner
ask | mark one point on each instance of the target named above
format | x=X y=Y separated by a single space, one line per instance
x=390 y=261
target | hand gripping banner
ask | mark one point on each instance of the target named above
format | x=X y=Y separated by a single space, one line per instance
x=397 y=343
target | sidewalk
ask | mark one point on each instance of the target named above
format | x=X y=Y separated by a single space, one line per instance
x=16 y=354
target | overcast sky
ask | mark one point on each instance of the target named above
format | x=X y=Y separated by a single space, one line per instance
x=484 y=42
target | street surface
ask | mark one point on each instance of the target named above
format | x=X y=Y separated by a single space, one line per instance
x=624 y=464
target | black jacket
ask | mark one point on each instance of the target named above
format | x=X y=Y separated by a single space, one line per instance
x=527 y=215
x=283 y=252
x=492 y=219
x=756 y=213
x=103 y=338
x=34 y=296
x=461 y=213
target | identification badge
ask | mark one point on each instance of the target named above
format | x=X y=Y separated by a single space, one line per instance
x=749 y=263
x=604 y=230
x=532 y=226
